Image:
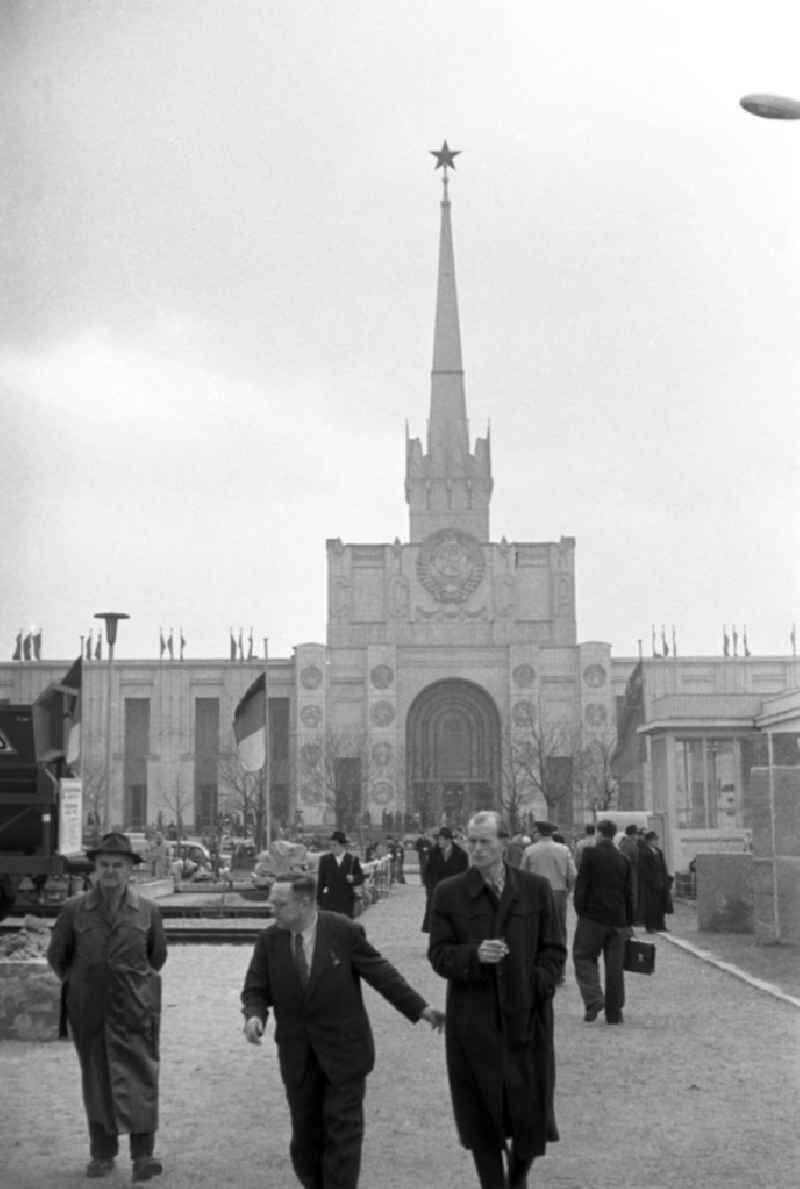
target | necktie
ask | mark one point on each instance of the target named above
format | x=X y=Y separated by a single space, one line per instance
x=299 y=954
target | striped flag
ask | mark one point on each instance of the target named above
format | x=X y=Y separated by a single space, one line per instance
x=233 y=645
x=73 y=681
x=17 y=654
x=250 y=725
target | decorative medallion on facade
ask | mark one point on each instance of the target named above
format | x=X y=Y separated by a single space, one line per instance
x=450 y=565
x=311 y=677
x=311 y=716
x=524 y=676
x=522 y=714
x=310 y=753
x=382 y=713
x=594 y=676
x=382 y=676
x=382 y=754
x=596 y=715
x=382 y=792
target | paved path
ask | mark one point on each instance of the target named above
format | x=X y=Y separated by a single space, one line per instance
x=698 y=1088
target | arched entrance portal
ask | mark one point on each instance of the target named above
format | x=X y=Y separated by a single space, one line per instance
x=452 y=753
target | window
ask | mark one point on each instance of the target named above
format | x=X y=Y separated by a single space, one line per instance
x=708 y=783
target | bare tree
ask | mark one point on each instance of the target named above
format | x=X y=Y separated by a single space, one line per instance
x=335 y=766
x=542 y=756
x=241 y=791
x=93 y=792
x=594 y=781
x=517 y=790
x=177 y=801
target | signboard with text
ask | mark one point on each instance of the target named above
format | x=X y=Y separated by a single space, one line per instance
x=70 y=821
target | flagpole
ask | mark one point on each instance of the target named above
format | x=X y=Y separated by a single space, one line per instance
x=267 y=798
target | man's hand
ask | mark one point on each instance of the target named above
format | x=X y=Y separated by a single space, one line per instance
x=254 y=1030
x=349 y=878
x=435 y=1018
x=492 y=951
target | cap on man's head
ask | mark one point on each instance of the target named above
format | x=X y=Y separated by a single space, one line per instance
x=444 y=832
x=114 y=844
x=631 y=829
x=339 y=836
x=546 y=828
x=607 y=828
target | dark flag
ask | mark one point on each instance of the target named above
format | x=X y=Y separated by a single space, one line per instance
x=674 y=645
x=98 y=648
x=26 y=647
x=233 y=646
x=37 y=645
x=183 y=643
x=250 y=653
x=241 y=644
x=664 y=645
x=89 y=645
x=745 y=645
x=73 y=682
x=726 y=642
x=735 y=638
x=162 y=643
x=171 y=645
x=17 y=653
x=250 y=725
x=793 y=640
x=655 y=653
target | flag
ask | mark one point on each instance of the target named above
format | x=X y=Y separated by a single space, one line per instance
x=250 y=725
x=726 y=643
x=674 y=645
x=250 y=653
x=73 y=681
x=183 y=643
x=98 y=648
x=171 y=645
x=89 y=645
x=664 y=645
x=26 y=647
x=745 y=645
x=162 y=643
x=17 y=653
x=233 y=646
x=654 y=641
x=793 y=640
x=241 y=644
x=735 y=638
x=37 y=645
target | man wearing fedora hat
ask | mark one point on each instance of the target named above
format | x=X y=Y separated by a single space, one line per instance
x=107 y=947
x=444 y=860
x=338 y=875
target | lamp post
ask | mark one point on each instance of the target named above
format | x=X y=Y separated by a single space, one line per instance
x=111 y=619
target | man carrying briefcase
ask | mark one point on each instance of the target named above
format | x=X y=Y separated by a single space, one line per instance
x=604 y=903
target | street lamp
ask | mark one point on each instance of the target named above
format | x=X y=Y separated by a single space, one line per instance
x=111 y=619
x=771 y=107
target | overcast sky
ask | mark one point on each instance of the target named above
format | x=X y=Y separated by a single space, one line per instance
x=219 y=235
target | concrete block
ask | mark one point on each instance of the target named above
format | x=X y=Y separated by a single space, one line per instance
x=30 y=1000
x=725 y=893
x=788 y=873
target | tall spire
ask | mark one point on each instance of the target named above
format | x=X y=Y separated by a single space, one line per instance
x=447 y=486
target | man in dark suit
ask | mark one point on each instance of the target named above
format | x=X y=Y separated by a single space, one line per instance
x=444 y=860
x=496 y=938
x=338 y=875
x=308 y=969
x=603 y=900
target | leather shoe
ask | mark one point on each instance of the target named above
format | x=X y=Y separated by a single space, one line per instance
x=100 y=1167
x=592 y=1012
x=146 y=1167
x=615 y=1019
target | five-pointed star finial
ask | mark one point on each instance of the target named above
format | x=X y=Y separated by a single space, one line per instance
x=445 y=156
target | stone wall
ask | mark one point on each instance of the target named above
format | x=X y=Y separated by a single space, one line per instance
x=725 y=898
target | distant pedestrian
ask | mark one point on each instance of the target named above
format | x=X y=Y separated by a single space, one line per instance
x=554 y=861
x=588 y=839
x=604 y=904
x=496 y=939
x=654 y=896
x=445 y=859
x=107 y=947
x=308 y=969
x=629 y=846
x=338 y=875
x=516 y=849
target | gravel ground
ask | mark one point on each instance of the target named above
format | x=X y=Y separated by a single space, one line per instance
x=698 y=1088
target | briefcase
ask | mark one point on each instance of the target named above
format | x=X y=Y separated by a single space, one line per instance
x=640 y=956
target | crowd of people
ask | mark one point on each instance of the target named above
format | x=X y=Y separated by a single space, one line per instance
x=496 y=917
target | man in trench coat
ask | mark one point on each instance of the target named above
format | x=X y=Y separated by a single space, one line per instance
x=496 y=938
x=338 y=875
x=107 y=947
x=444 y=860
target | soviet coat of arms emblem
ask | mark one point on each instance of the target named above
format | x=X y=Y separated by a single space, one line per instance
x=450 y=565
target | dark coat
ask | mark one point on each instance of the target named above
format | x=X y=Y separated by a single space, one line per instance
x=499 y=1029
x=333 y=890
x=113 y=994
x=438 y=868
x=604 y=887
x=654 y=898
x=329 y=1017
